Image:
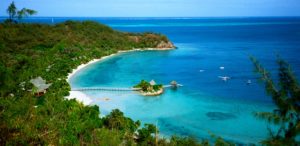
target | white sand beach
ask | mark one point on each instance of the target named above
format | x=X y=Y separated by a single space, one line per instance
x=86 y=64
x=80 y=97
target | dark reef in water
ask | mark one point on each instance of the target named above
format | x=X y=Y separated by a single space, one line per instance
x=220 y=116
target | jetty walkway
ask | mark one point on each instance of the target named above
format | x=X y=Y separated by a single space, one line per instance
x=113 y=88
x=105 y=89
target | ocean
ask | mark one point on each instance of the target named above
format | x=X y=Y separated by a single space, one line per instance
x=205 y=105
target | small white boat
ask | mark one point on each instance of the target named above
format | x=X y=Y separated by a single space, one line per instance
x=249 y=82
x=224 y=78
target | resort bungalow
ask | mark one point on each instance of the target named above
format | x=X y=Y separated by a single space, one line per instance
x=152 y=83
x=174 y=84
x=40 y=86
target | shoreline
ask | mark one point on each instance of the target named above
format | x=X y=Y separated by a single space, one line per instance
x=156 y=93
x=70 y=75
x=83 y=98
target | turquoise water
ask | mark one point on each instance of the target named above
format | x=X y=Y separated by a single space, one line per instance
x=205 y=104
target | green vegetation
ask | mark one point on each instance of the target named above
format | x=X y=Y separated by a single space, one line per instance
x=286 y=96
x=32 y=50
x=13 y=13
x=147 y=87
x=28 y=51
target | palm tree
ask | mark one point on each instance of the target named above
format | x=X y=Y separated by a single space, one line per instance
x=25 y=13
x=12 y=11
x=286 y=96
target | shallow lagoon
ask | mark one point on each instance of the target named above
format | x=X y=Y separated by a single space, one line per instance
x=204 y=105
x=185 y=111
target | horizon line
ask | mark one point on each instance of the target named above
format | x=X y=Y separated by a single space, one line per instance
x=155 y=17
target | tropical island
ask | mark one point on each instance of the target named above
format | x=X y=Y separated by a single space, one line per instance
x=150 y=88
x=36 y=59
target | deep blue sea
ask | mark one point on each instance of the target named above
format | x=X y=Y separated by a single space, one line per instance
x=205 y=105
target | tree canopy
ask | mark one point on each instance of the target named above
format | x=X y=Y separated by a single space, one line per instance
x=13 y=12
x=286 y=96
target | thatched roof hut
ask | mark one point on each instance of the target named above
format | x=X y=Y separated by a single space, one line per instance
x=40 y=84
x=174 y=83
x=152 y=82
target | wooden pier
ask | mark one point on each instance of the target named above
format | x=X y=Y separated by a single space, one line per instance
x=113 y=89
x=105 y=89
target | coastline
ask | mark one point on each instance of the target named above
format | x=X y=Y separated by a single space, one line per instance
x=80 y=96
x=156 y=93
x=70 y=75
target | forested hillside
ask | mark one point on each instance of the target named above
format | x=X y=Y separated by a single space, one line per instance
x=28 y=51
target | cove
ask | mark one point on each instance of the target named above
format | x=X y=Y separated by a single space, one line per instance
x=205 y=105
x=187 y=111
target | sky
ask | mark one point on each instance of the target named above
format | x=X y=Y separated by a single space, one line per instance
x=158 y=8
